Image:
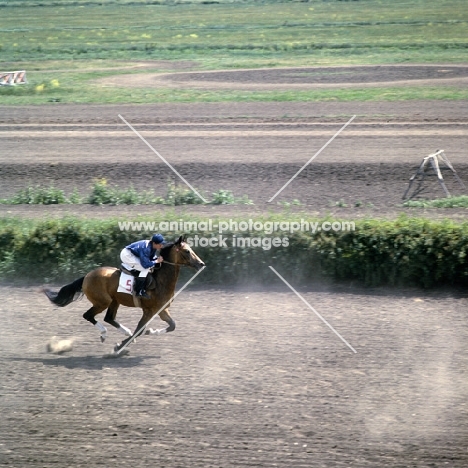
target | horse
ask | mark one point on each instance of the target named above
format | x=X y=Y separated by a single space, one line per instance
x=100 y=287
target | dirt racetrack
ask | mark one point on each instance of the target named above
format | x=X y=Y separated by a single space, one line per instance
x=249 y=378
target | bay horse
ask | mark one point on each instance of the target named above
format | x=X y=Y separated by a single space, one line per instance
x=100 y=287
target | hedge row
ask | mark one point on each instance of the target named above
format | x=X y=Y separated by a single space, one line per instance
x=404 y=252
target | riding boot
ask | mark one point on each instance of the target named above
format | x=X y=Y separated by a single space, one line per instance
x=140 y=287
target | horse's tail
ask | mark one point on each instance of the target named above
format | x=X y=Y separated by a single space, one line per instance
x=69 y=293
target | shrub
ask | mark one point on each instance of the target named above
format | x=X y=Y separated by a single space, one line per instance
x=102 y=194
x=226 y=197
x=38 y=196
x=405 y=252
x=223 y=197
x=177 y=195
x=402 y=252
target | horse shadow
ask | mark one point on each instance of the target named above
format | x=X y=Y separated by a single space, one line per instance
x=88 y=362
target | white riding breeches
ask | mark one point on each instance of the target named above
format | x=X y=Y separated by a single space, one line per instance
x=132 y=262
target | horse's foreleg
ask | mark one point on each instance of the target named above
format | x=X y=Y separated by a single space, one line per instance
x=139 y=330
x=89 y=316
x=164 y=315
x=110 y=319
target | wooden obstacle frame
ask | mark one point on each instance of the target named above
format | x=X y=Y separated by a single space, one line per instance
x=13 y=78
x=435 y=161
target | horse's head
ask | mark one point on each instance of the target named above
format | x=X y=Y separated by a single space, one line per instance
x=180 y=253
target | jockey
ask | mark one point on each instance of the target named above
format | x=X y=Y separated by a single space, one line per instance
x=142 y=256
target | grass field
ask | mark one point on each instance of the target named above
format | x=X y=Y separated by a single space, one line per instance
x=82 y=40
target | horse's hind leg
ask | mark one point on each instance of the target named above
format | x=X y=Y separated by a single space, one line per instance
x=89 y=316
x=165 y=316
x=110 y=319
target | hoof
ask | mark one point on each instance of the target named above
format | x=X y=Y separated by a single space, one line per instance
x=103 y=338
x=115 y=355
x=117 y=348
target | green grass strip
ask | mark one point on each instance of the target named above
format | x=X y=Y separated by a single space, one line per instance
x=452 y=202
x=42 y=94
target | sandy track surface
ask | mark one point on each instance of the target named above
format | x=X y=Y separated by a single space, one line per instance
x=368 y=164
x=249 y=378
x=233 y=112
x=301 y=77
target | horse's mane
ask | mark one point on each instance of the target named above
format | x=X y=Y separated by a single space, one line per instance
x=165 y=250
x=165 y=255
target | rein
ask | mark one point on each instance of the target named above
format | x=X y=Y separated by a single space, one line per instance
x=175 y=264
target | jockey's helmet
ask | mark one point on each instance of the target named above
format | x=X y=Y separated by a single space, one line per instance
x=157 y=239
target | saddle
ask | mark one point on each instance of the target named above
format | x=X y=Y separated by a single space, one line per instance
x=150 y=282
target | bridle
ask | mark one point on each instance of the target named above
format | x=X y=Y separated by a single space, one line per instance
x=175 y=264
